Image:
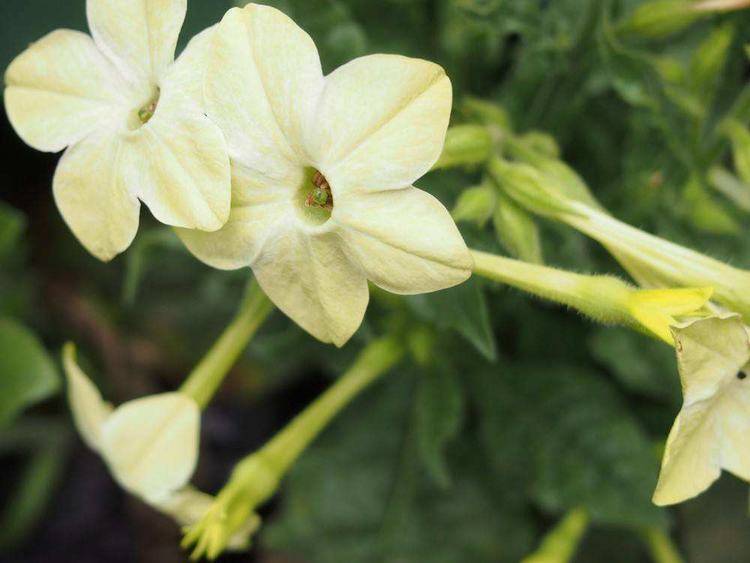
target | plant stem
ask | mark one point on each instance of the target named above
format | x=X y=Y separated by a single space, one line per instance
x=661 y=547
x=208 y=375
x=602 y=298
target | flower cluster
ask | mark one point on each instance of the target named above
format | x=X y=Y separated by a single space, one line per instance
x=259 y=160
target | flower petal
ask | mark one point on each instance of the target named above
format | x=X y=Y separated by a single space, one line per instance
x=186 y=76
x=405 y=240
x=308 y=276
x=178 y=166
x=90 y=411
x=259 y=204
x=139 y=36
x=262 y=84
x=151 y=444
x=710 y=432
x=92 y=198
x=381 y=122
x=60 y=89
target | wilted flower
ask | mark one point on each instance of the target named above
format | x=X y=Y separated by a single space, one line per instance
x=131 y=120
x=322 y=171
x=711 y=431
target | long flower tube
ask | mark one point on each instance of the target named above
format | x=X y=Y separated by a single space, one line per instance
x=604 y=299
x=552 y=189
x=256 y=478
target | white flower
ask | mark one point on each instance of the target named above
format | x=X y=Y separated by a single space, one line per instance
x=149 y=444
x=131 y=120
x=322 y=198
x=151 y=447
x=712 y=431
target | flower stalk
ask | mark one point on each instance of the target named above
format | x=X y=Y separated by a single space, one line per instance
x=604 y=299
x=256 y=478
x=208 y=375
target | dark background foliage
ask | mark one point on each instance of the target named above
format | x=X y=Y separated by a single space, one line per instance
x=522 y=411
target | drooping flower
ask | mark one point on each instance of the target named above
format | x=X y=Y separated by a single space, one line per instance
x=150 y=445
x=712 y=431
x=131 y=119
x=322 y=173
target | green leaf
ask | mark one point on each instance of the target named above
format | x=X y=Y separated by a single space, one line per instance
x=27 y=373
x=641 y=365
x=567 y=438
x=358 y=495
x=462 y=308
x=439 y=416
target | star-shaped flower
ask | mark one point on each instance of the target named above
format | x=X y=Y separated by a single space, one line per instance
x=322 y=169
x=712 y=431
x=131 y=119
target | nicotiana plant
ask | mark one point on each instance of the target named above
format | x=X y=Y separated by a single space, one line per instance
x=260 y=160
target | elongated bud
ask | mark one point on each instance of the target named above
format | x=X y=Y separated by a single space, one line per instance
x=517 y=231
x=739 y=136
x=487 y=113
x=660 y=18
x=465 y=145
x=476 y=204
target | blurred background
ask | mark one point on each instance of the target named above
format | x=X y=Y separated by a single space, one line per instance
x=526 y=411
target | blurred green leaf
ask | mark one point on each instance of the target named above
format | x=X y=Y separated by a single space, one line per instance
x=358 y=495
x=439 y=416
x=462 y=308
x=568 y=438
x=641 y=365
x=47 y=442
x=27 y=373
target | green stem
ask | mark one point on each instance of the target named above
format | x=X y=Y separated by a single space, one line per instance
x=284 y=449
x=208 y=375
x=601 y=298
x=661 y=547
x=561 y=543
x=256 y=478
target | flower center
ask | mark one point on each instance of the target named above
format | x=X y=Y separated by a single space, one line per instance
x=147 y=111
x=314 y=198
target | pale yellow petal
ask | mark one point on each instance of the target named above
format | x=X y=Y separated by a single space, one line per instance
x=177 y=164
x=381 y=122
x=691 y=458
x=262 y=84
x=60 y=89
x=710 y=352
x=151 y=444
x=186 y=76
x=259 y=206
x=404 y=240
x=138 y=36
x=711 y=431
x=90 y=411
x=309 y=278
x=92 y=197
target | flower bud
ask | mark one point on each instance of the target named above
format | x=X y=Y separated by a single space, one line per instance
x=517 y=231
x=659 y=18
x=476 y=204
x=465 y=145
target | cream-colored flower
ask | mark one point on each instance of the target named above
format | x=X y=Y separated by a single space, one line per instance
x=712 y=431
x=131 y=119
x=149 y=444
x=151 y=447
x=322 y=198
